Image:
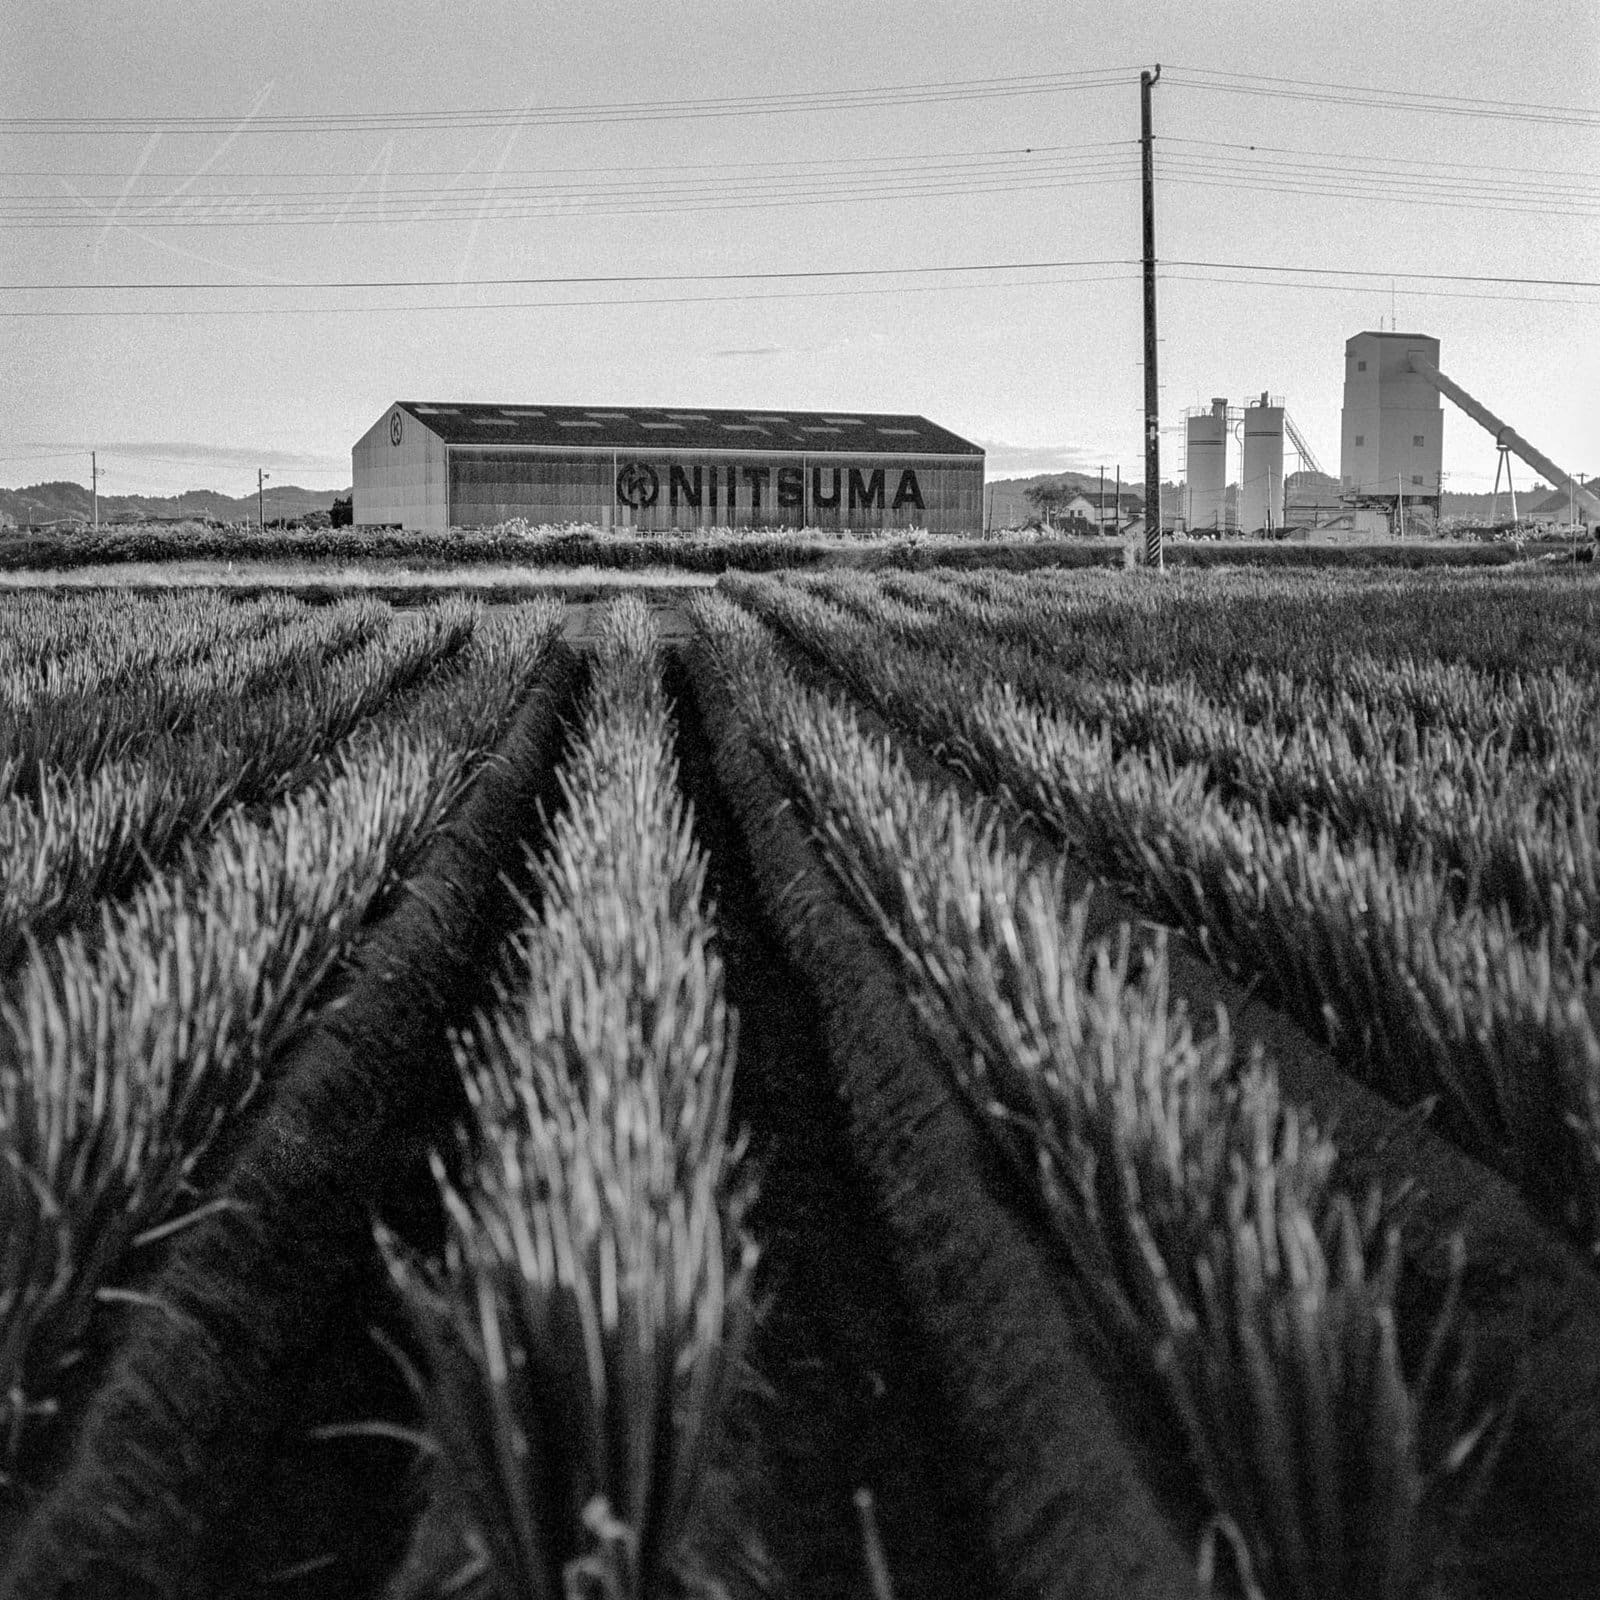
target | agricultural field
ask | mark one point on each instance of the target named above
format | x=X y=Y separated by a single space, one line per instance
x=855 y=1083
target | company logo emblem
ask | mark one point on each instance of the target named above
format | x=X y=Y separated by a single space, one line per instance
x=638 y=485
x=394 y=428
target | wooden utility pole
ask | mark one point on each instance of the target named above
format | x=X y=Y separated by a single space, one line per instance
x=94 y=486
x=1152 y=400
x=261 y=500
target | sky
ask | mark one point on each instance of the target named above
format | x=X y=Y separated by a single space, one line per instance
x=163 y=279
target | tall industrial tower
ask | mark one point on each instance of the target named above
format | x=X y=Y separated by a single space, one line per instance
x=1207 y=469
x=1392 y=438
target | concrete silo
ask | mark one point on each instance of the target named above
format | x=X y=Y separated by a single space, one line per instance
x=1261 y=468
x=1207 y=471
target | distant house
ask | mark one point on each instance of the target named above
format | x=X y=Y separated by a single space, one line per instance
x=1086 y=507
x=1555 y=510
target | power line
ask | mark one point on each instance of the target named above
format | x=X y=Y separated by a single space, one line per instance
x=395 y=207
x=789 y=275
x=488 y=211
x=870 y=98
x=1373 y=272
x=591 y=278
x=800 y=185
x=650 y=181
x=1130 y=275
x=557 y=305
x=653 y=168
x=1351 y=94
x=1366 y=158
x=1350 y=288
x=1347 y=187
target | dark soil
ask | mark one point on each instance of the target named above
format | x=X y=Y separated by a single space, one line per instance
x=849 y=1399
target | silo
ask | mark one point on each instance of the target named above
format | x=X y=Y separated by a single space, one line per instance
x=1208 y=467
x=1261 y=469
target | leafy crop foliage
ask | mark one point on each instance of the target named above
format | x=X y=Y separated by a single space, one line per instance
x=103 y=790
x=585 y=1324
x=1405 y=845
x=131 y=1048
x=1207 y=1239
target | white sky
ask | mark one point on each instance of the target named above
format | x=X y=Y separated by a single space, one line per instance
x=1045 y=373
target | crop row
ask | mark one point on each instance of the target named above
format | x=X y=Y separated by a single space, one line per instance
x=1216 y=626
x=129 y=1053
x=1418 y=993
x=1379 y=691
x=1207 y=1242
x=76 y=730
x=583 y=1327
x=1497 y=796
x=80 y=839
x=161 y=677
x=55 y=643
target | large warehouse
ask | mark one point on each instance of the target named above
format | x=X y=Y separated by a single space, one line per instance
x=432 y=465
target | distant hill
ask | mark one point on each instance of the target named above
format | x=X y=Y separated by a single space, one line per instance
x=59 y=502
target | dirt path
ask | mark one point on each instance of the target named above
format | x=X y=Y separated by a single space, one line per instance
x=851 y=1400
x=581 y=629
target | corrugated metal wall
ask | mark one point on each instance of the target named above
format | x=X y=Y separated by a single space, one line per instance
x=663 y=492
x=398 y=472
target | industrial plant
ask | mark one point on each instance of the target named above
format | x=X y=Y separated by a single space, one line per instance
x=435 y=465
x=1391 y=451
x=432 y=465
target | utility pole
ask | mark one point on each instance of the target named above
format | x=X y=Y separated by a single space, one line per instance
x=1152 y=401
x=261 y=499
x=1119 y=500
x=94 y=486
x=1102 y=528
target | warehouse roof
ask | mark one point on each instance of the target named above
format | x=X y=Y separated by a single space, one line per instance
x=685 y=428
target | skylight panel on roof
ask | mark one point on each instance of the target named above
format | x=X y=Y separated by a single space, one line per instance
x=676 y=425
x=437 y=411
x=608 y=416
x=566 y=422
x=812 y=427
x=688 y=416
x=743 y=427
x=851 y=422
x=904 y=433
x=756 y=417
x=519 y=411
x=495 y=422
